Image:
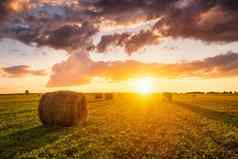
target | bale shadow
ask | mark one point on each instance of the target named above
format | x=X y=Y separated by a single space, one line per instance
x=24 y=141
x=225 y=117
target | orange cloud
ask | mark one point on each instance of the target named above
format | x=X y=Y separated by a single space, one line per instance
x=21 y=71
x=80 y=69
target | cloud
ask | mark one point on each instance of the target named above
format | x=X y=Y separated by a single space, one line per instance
x=80 y=69
x=61 y=25
x=11 y=6
x=3 y=9
x=209 y=21
x=73 y=25
x=45 y=22
x=132 y=42
x=70 y=37
x=20 y=71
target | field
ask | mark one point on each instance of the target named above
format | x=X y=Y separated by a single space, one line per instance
x=129 y=126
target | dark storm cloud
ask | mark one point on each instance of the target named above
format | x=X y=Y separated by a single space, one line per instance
x=130 y=41
x=211 y=21
x=150 y=8
x=69 y=37
x=45 y=22
x=206 y=20
x=20 y=71
x=109 y=40
x=61 y=25
x=4 y=10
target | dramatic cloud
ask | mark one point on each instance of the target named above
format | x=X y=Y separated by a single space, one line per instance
x=80 y=69
x=130 y=24
x=3 y=9
x=70 y=37
x=59 y=24
x=20 y=71
x=46 y=22
x=211 y=21
x=130 y=41
x=11 y=6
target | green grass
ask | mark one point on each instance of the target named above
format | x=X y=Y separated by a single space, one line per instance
x=128 y=126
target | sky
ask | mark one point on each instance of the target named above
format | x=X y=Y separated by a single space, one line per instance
x=111 y=45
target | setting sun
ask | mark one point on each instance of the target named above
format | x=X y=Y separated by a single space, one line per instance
x=144 y=85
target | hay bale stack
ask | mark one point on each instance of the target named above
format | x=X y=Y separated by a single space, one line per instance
x=168 y=97
x=109 y=96
x=98 y=96
x=63 y=108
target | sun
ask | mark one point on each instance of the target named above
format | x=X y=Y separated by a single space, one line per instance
x=144 y=85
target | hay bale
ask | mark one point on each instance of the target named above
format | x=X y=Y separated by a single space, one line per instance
x=98 y=96
x=63 y=108
x=109 y=96
x=168 y=97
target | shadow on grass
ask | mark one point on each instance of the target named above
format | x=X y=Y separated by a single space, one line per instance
x=226 y=117
x=27 y=140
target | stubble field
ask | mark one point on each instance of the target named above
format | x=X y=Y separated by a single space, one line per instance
x=128 y=126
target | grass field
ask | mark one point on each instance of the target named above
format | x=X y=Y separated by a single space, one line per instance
x=129 y=126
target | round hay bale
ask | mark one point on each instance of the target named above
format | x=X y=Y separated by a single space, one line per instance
x=63 y=108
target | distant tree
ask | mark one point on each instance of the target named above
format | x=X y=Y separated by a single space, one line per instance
x=27 y=92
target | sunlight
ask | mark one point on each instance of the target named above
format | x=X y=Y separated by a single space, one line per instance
x=144 y=85
x=17 y=6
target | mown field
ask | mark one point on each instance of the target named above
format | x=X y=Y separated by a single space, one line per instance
x=129 y=126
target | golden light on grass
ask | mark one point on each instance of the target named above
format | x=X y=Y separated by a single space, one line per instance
x=144 y=85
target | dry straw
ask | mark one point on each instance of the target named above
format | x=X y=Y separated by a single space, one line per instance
x=63 y=108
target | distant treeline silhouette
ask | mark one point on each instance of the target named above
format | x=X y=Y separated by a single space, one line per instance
x=213 y=92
